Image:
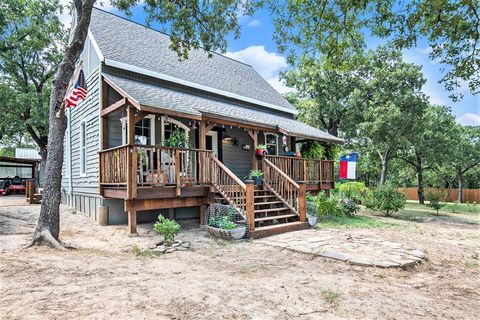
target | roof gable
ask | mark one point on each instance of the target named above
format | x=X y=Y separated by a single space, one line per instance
x=125 y=42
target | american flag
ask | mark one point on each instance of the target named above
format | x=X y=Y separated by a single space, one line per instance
x=79 y=91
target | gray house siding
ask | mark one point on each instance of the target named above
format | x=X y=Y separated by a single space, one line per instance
x=237 y=160
x=84 y=196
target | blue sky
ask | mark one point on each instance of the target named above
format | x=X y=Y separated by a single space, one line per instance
x=256 y=47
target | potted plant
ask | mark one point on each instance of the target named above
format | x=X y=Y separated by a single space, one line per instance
x=261 y=149
x=312 y=212
x=256 y=176
x=221 y=223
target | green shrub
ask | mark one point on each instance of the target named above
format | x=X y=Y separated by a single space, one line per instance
x=327 y=206
x=349 y=206
x=353 y=190
x=434 y=201
x=222 y=222
x=166 y=227
x=386 y=199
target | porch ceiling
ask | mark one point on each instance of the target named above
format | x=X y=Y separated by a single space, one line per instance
x=150 y=96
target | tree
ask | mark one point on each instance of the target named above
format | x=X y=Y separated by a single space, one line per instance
x=429 y=146
x=324 y=95
x=465 y=154
x=27 y=68
x=336 y=28
x=191 y=24
x=391 y=102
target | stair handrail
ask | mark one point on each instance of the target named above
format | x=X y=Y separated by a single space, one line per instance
x=238 y=194
x=293 y=194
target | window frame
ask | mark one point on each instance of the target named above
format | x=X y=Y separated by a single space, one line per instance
x=83 y=147
x=271 y=144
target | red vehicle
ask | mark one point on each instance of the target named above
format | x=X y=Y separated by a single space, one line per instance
x=4 y=187
x=17 y=185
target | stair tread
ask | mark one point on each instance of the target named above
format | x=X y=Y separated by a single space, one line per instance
x=271 y=210
x=267 y=203
x=283 y=216
x=281 y=226
x=269 y=196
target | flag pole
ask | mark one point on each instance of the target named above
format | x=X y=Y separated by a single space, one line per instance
x=78 y=67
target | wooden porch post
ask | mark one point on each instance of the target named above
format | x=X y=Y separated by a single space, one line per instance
x=202 y=144
x=302 y=199
x=131 y=156
x=132 y=222
x=250 y=204
x=254 y=136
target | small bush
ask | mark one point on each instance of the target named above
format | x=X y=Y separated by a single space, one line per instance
x=327 y=206
x=434 y=199
x=168 y=228
x=386 y=199
x=353 y=190
x=349 y=206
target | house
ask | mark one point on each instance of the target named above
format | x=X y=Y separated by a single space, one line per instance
x=141 y=98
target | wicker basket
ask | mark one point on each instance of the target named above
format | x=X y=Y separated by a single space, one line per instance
x=231 y=234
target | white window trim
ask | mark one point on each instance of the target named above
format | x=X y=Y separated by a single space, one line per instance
x=276 y=141
x=175 y=122
x=152 y=129
x=83 y=149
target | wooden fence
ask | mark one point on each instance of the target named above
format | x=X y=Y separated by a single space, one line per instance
x=451 y=195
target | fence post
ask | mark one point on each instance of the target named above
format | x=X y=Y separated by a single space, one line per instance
x=177 y=172
x=250 y=205
x=302 y=201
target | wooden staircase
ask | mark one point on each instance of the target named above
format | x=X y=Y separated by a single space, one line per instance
x=272 y=215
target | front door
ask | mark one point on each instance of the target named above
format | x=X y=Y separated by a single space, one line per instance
x=212 y=142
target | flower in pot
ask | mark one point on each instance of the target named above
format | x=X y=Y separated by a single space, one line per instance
x=261 y=149
x=256 y=176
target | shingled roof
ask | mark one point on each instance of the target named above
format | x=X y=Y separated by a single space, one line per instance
x=126 y=42
x=157 y=96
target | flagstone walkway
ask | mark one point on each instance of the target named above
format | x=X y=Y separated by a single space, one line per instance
x=336 y=244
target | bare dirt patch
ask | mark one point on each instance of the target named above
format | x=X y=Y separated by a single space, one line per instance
x=104 y=279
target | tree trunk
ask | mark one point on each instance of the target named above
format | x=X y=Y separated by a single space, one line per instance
x=333 y=129
x=460 y=188
x=48 y=226
x=421 y=192
x=385 y=159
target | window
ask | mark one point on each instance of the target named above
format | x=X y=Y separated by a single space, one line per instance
x=169 y=125
x=271 y=142
x=83 y=148
x=144 y=130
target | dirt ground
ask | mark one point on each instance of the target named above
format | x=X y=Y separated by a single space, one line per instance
x=104 y=279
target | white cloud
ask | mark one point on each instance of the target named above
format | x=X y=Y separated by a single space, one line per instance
x=267 y=64
x=469 y=119
x=254 y=23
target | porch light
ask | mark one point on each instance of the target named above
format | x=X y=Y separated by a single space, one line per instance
x=227 y=138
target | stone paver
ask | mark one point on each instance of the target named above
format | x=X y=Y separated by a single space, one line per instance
x=355 y=250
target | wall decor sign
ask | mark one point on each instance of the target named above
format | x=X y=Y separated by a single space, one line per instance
x=246 y=147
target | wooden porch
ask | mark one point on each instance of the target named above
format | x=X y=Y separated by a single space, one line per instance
x=152 y=177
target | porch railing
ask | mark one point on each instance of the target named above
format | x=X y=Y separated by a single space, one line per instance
x=152 y=165
x=302 y=169
x=293 y=194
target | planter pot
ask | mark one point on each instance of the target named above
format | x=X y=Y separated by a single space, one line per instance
x=232 y=234
x=257 y=181
x=312 y=221
x=261 y=152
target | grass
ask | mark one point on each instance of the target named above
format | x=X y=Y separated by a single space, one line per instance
x=465 y=208
x=354 y=222
x=139 y=252
x=419 y=213
x=331 y=296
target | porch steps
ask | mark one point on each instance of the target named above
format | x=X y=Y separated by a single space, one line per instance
x=273 y=229
x=272 y=216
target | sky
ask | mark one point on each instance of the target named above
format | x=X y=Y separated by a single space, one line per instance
x=256 y=48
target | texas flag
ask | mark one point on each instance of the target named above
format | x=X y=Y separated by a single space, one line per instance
x=348 y=166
